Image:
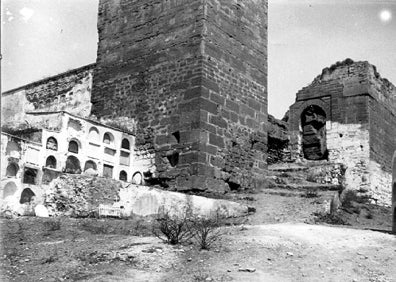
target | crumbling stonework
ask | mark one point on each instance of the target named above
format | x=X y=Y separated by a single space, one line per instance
x=193 y=75
x=348 y=115
x=278 y=141
x=80 y=196
x=69 y=91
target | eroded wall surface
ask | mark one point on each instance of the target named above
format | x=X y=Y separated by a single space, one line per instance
x=360 y=111
x=69 y=91
x=193 y=75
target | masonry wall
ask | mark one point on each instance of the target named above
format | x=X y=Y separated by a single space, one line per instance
x=69 y=91
x=192 y=75
x=360 y=124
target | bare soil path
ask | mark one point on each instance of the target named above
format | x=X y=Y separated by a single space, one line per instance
x=274 y=244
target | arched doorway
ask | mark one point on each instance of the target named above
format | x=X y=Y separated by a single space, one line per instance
x=313 y=123
x=72 y=165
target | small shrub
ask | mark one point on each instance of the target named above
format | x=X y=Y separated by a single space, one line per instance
x=206 y=230
x=171 y=229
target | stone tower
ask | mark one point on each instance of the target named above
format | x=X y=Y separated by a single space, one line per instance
x=192 y=75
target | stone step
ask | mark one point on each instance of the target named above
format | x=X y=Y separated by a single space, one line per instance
x=299 y=193
x=309 y=186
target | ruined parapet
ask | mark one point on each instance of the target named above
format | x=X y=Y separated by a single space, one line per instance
x=347 y=115
x=278 y=141
x=193 y=75
x=69 y=91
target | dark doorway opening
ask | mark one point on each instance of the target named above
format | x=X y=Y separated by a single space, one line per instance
x=313 y=123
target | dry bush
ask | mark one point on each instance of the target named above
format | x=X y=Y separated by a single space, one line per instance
x=206 y=230
x=172 y=229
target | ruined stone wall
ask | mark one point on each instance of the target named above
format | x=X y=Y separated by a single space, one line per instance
x=69 y=91
x=279 y=149
x=192 y=74
x=360 y=124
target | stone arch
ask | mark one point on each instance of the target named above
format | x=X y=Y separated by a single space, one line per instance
x=73 y=146
x=90 y=165
x=125 y=144
x=72 y=165
x=9 y=189
x=108 y=138
x=26 y=196
x=50 y=162
x=137 y=178
x=123 y=175
x=12 y=169
x=93 y=135
x=313 y=123
x=52 y=144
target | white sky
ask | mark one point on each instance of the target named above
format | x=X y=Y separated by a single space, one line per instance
x=41 y=38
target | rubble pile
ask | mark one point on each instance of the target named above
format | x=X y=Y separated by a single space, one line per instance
x=79 y=195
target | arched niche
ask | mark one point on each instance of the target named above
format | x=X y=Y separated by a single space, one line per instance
x=125 y=144
x=108 y=138
x=123 y=175
x=72 y=165
x=12 y=170
x=93 y=135
x=90 y=165
x=313 y=123
x=9 y=189
x=26 y=196
x=73 y=147
x=50 y=162
x=52 y=144
x=137 y=178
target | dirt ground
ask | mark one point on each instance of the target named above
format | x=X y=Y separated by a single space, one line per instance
x=282 y=241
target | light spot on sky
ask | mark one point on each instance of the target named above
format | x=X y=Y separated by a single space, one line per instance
x=385 y=16
x=26 y=13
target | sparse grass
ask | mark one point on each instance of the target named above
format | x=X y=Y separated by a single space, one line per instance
x=134 y=226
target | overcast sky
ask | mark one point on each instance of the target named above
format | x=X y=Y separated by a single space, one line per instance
x=41 y=38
